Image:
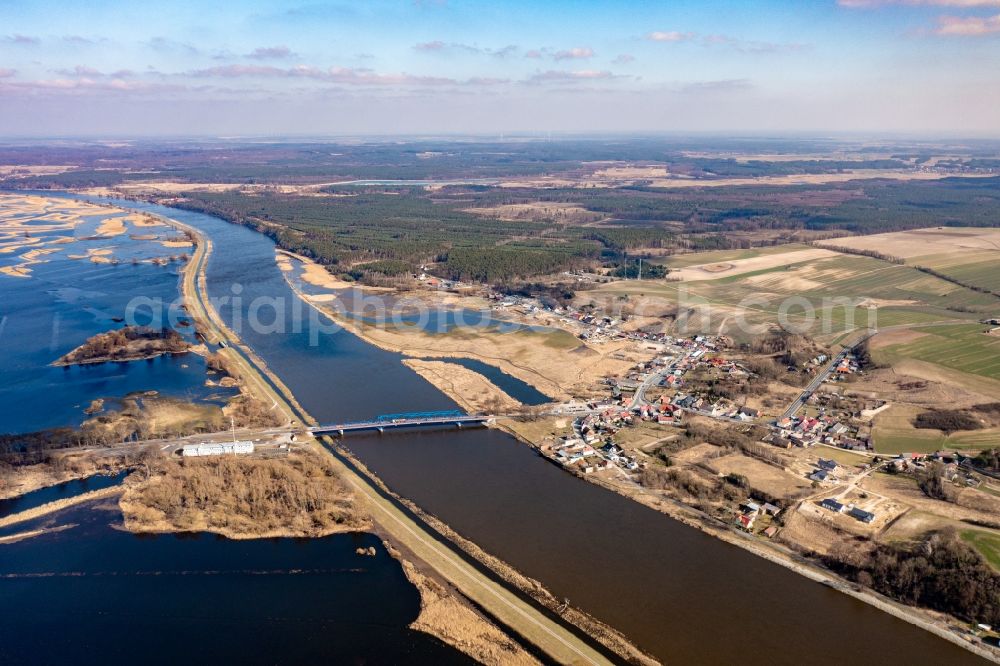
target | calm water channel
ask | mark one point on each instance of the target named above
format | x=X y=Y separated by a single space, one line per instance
x=96 y=595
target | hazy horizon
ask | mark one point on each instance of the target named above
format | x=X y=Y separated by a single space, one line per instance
x=262 y=68
x=471 y=67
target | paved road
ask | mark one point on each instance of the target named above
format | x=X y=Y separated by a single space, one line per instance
x=652 y=380
x=821 y=377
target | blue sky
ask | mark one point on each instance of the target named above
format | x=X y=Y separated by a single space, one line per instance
x=436 y=66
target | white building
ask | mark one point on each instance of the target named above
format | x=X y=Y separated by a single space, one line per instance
x=216 y=449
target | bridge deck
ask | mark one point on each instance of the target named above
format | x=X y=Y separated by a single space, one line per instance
x=380 y=425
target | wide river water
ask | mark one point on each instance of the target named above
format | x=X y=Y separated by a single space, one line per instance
x=64 y=302
x=96 y=595
x=678 y=593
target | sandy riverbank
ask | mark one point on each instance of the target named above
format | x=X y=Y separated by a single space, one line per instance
x=473 y=392
x=449 y=618
x=317 y=275
x=555 y=363
x=26 y=222
x=30 y=534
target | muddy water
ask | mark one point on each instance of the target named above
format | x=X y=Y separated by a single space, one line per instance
x=684 y=596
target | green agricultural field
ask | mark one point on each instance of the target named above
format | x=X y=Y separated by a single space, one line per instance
x=986 y=544
x=893 y=443
x=894 y=433
x=983 y=274
x=964 y=347
x=906 y=439
x=976 y=439
x=901 y=294
x=720 y=256
x=846 y=292
x=882 y=294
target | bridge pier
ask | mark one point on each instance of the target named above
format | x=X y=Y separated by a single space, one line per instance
x=381 y=429
x=459 y=424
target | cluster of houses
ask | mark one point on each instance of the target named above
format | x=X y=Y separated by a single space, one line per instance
x=718 y=409
x=811 y=430
x=825 y=471
x=848 y=365
x=854 y=512
x=954 y=467
x=435 y=282
x=589 y=325
x=749 y=511
x=678 y=356
x=590 y=448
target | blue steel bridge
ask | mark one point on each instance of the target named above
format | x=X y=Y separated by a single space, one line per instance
x=404 y=420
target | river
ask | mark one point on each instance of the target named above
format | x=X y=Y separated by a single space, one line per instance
x=96 y=594
x=58 y=492
x=93 y=594
x=64 y=302
x=684 y=596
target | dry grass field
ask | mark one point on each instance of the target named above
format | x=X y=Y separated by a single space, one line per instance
x=916 y=243
x=721 y=268
x=767 y=478
x=969 y=255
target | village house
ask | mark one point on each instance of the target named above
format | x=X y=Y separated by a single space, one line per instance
x=860 y=514
x=832 y=505
x=820 y=476
x=746 y=521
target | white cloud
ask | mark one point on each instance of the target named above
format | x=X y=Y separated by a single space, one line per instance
x=436 y=45
x=577 y=53
x=22 y=40
x=83 y=71
x=865 y=4
x=750 y=46
x=968 y=26
x=270 y=53
x=723 y=85
x=355 y=76
x=670 y=36
x=578 y=75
